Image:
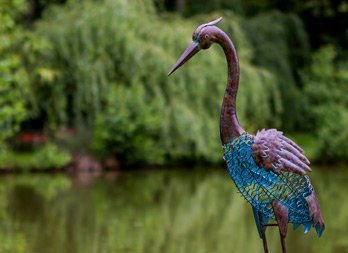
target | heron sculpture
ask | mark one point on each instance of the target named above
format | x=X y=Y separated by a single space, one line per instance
x=268 y=169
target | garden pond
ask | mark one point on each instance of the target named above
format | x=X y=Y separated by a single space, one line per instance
x=171 y=210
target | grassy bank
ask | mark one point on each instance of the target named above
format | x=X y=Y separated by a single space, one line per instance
x=44 y=158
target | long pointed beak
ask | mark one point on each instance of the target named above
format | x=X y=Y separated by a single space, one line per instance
x=190 y=51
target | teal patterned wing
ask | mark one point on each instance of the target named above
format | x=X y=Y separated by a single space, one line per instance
x=260 y=186
x=277 y=154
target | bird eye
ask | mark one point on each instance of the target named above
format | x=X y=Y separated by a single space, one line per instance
x=206 y=36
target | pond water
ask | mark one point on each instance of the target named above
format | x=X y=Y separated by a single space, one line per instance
x=154 y=211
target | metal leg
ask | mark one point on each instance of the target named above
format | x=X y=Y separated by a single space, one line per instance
x=264 y=240
x=282 y=217
x=282 y=239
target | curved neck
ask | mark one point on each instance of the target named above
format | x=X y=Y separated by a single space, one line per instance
x=229 y=125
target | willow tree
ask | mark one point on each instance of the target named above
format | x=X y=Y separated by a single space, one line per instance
x=107 y=70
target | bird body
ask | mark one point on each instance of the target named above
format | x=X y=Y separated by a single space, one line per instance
x=268 y=169
x=259 y=186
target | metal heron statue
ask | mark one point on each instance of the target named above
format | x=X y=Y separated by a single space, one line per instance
x=268 y=169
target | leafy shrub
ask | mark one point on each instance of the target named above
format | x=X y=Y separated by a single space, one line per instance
x=43 y=158
x=18 y=47
x=13 y=78
x=130 y=129
x=280 y=45
x=327 y=93
x=101 y=51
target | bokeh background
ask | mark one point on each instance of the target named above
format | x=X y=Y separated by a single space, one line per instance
x=101 y=152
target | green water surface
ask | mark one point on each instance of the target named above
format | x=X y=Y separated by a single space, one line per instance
x=154 y=211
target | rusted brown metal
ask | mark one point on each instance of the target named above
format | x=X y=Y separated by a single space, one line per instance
x=204 y=36
x=263 y=233
x=282 y=217
x=314 y=210
x=190 y=51
x=271 y=150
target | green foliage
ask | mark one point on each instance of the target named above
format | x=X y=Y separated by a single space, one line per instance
x=333 y=134
x=280 y=45
x=325 y=20
x=308 y=142
x=13 y=77
x=129 y=128
x=327 y=93
x=192 y=7
x=18 y=48
x=102 y=51
x=43 y=158
x=101 y=67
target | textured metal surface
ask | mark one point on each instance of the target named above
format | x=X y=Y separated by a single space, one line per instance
x=263 y=232
x=260 y=221
x=276 y=153
x=190 y=51
x=281 y=216
x=268 y=169
x=204 y=36
x=315 y=213
x=259 y=186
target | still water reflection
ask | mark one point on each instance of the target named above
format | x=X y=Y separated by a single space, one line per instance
x=153 y=211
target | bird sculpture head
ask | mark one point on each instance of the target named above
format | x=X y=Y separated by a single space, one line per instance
x=203 y=37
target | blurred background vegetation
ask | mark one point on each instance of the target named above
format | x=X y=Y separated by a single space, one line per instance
x=90 y=76
x=84 y=86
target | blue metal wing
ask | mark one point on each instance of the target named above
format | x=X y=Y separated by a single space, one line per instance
x=246 y=158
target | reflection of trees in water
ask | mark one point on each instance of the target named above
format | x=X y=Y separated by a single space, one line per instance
x=160 y=211
x=25 y=203
x=87 y=178
x=71 y=222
